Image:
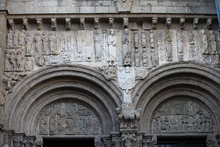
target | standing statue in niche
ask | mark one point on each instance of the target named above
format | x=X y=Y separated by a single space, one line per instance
x=8 y=62
x=13 y=60
x=45 y=44
x=98 y=45
x=126 y=48
x=213 y=45
x=37 y=40
x=10 y=42
x=20 y=61
x=28 y=50
x=16 y=35
x=111 y=48
x=53 y=46
x=21 y=38
x=168 y=40
x=144 y=45
x=204 y=43
x=180 y=45
x=192 y=46
x=136 y=49
x=152 y=45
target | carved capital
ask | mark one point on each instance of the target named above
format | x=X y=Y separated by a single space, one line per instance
x=211 y=141
x=128 y=139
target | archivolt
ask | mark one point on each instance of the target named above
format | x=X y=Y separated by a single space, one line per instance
x=178 y=80
x=61 y=82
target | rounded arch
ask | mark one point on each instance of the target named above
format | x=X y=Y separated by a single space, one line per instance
x=45 y=86
x=185 y=79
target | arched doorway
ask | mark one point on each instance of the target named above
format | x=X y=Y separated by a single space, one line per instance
x=179 y=101
x=64 y=101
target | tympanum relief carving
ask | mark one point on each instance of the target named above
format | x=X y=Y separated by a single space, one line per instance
x=67 y=118
x=182 y=116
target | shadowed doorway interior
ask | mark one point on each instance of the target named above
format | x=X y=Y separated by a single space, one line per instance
x=68 y=142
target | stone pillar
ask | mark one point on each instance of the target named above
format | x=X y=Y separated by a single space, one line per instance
x=3 y=31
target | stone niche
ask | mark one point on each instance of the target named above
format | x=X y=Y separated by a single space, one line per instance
x=182 y=115
x=68 y=118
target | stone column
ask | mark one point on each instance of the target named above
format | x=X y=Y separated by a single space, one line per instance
x=3 y=31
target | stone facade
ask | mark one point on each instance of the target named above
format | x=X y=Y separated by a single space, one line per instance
x=124 y=72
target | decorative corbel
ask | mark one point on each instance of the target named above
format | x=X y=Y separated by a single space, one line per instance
x=195 y=23
x=125 y=22
x=168 y=22
x=111 y=22
x=209 y=23
x=96 y=23
x=154 y=22
x=53 y=24
x=25 y=23
x=82 y=23
x=68 y=23
x=182 y=23
x=39 y=23
x=11 y=24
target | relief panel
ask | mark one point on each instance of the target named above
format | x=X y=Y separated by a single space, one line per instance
x=182 y=116
x=67 y=118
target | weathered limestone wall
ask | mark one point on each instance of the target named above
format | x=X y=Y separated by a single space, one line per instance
x=3 y=32
x=111 y=6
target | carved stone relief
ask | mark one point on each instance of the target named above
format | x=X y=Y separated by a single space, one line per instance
x=124 y=5
x=182 y=116
x=168 y=46
x=67 y=118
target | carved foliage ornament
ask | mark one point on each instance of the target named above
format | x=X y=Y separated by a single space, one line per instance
x=182 y=116
x=68 y=118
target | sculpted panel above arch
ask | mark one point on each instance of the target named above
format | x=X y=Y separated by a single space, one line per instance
x=68 y=117
x=182 y=115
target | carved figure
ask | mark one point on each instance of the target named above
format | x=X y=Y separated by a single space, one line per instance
x=136 y=52
x=168 y=40
x=192 y=47
x=28 y=50
x=98 y=45
x=152 y=45
x=22 y=38
x=109 y=72
x=28 y=66
x=111 y=48
x=37 y=40
x=204 y=43
x=16 y=34
x=182 y=115
x=126 y=49
x=20 y=61
x=45 y=44
x=10 y=42
x=144 y=45
x=68 y=117
x=8 y=63
x=128 y=139
x=53 y=46
x=212 y=42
